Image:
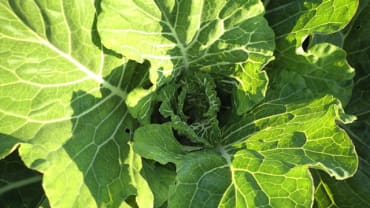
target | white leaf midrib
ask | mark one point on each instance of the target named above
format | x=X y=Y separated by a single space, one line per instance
x=86 y=70
x=180 y=45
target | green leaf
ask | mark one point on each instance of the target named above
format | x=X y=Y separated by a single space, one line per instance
x=159 y=178
x=302 y=125
x=160 y=142
x=7 y=145
x=144 y=196
x=354 y=192
x=62 y=98
x=321 y=67
x=209 y=181
x=214 y=130
x=268 y=150
x=250 y=90
x=322 y=70
x=187 y=34
x=357 y=42
x=139 y=104
x=293 y=21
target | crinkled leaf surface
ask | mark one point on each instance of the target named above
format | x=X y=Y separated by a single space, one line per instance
x=62 y=98
x=176 y=36
x=192 y=106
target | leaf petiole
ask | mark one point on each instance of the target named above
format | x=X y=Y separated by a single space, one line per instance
x=21 y=183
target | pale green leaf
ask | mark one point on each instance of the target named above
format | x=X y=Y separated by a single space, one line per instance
x=144 y=196
x=187 y=34
x=62 y=98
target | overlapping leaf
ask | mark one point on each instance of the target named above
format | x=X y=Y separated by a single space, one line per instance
x=178 y=35
x=159 y=179
x=295 y=21
x=265 y=158
x=62 y=98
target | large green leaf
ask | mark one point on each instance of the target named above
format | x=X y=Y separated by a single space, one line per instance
x=357 y=43
x=264 y=160
x=322 y=70
x=62 y=98
x=176 y=36
x=354 y=192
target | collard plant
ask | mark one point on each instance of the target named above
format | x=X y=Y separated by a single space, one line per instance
x=228 y=103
